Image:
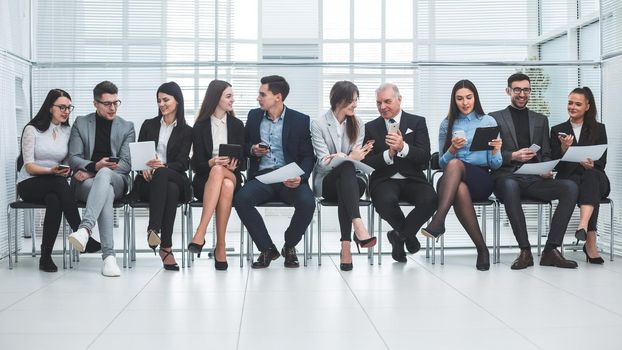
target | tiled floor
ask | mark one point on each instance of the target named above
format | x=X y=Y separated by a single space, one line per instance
x=392 y=306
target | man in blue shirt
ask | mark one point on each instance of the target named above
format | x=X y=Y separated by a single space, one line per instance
x=276 y=136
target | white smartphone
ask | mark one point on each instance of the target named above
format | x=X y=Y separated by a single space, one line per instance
x=535 y=148
x=393 y=128
x=562 y=134
x=459 y=134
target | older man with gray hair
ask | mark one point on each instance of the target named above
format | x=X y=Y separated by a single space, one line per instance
x=400 y=155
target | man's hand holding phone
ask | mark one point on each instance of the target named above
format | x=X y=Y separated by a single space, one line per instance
x=107 y=162
x=260 y=149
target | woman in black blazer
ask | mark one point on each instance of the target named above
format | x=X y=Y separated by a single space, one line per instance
x=216 y=178
x=166 y=184
x=582 y=129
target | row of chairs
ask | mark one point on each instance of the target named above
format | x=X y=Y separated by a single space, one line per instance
x=129 y=234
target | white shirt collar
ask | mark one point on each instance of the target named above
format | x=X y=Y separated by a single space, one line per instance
x=222 y=121
x=397 y=118
x=163 y=123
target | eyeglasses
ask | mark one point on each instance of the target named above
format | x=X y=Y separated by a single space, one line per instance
x=64 y=108
x=108 y=104
x=517 y=91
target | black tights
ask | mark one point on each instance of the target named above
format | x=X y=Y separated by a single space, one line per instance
x=453 y=190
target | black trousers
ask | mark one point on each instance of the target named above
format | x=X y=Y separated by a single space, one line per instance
x=163 y=193
x=514 y=187
x=593 y=186
x=55 y=193
x=387 y=194
x=342 y=186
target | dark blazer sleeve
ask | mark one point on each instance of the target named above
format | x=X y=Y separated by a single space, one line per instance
x=178 y=148
x=545 y=146
x=202 y=148
x=374 y=131
x=602 y=140
x=556 y=147
x=305 y=147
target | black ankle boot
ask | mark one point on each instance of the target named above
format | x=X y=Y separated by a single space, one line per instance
x=47 y=264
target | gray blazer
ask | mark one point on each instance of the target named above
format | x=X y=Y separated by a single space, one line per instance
x=538 y=134
x=324 y=138
x=82 y=142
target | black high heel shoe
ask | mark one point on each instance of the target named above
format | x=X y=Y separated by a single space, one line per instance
x=597 y=260
x=580 y=235
x=344 y=266
x=365 y=243
x=196 y=248
x=153 y=239
x=169 y=267
x=220 y=265
x=483 y=259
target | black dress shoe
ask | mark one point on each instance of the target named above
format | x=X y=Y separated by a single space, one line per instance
x=265 y=258
x=397 y=246
x=483 y=259
x=555 y=258
x=289 y=253
x=580 y=235
x=220 y=265
x=412 y=244
x=523 y=260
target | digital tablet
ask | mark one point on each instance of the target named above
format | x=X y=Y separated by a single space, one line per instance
x=482 y=137
x=230 y=150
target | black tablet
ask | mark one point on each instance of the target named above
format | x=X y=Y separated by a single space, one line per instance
x=482 y=137
x=230 y=150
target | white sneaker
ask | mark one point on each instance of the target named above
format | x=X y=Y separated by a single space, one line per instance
x=110 y=267
x=79 y=238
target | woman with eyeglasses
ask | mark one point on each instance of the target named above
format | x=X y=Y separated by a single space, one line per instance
x=466 y=174
x=166 y=184
x=217 y=176
x=338 y=134
x=582 y=129
x=43 y=172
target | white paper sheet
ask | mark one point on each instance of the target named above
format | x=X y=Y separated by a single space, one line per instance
x=141 y=153
x=358 y=165
x=579 y=154
x=537 y=168
x=281 y=174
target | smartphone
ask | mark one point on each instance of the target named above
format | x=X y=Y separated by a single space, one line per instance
x=562 y=134
x=535 y=148
x=459 y=134
x=113 y=159
x=393 y=128
x=263 y=145
x=63 y=166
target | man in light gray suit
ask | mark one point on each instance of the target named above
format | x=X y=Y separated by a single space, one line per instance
x=99 y=155
x=521 y=128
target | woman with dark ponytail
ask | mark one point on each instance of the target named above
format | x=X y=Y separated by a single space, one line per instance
x=582 y=129
x=43 y=172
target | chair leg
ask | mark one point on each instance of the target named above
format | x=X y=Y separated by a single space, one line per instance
x=443 y=250
x=241 y=244
x=611 y=232
x=126 y=238
x=64 y=242
x=9 y=234
x=33 y=235
x=305 y=245
x=539 y=229
x=311 y=236
x=319 y=234
x=183 y=208
x=379 y=239
x=433 y=251
x=189 y=236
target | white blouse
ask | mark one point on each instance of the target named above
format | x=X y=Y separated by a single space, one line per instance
x=47 y=149
x=219 y=133
x=164 y=135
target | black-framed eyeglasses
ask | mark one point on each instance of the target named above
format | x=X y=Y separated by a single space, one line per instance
x=64 y=108
x=109 y=104
x=517 y=91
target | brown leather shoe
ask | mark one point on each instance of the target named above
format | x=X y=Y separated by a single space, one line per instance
x=555 y=258
x=524 y=260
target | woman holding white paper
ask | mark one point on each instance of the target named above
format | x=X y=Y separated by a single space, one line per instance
x=216 y=178
x=582 y=129
x=166 y=184
x=466 y=174
x=339 y=133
